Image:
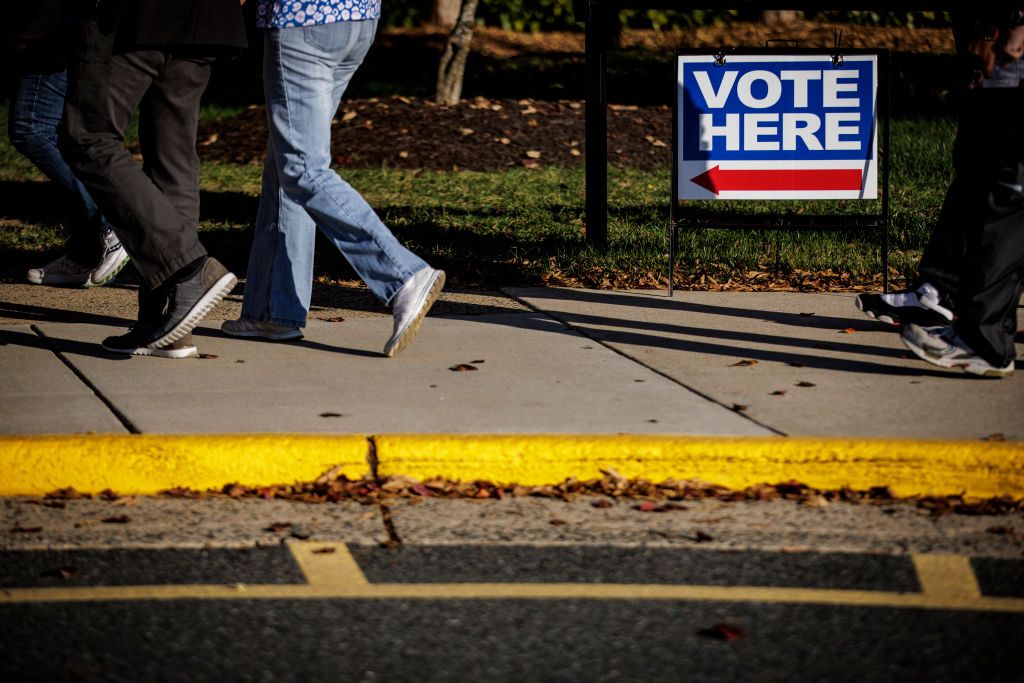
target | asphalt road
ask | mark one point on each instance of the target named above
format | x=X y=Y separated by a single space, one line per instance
x=213 y=590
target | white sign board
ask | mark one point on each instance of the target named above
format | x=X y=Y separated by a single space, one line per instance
x=773 y=126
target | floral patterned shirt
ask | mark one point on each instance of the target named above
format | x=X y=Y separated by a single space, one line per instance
x=290 y=13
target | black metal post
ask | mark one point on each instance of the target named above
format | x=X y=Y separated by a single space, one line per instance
x=596 y=64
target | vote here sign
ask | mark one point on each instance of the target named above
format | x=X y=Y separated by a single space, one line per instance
x=772 y=126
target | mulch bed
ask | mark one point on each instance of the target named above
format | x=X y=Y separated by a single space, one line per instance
x=476 y=135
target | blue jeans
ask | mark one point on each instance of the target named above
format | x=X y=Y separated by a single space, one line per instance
x=305 y=73
x=32 y=126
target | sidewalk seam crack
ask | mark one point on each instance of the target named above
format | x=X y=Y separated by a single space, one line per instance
x=121 y=417
x=639 y=362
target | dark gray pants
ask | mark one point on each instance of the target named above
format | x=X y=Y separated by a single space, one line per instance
x=154 y=208
x=986 y=200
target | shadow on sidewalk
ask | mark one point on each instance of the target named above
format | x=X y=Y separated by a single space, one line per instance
x=57 y=345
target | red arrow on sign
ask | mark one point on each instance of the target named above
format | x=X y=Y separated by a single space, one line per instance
x=771 y=180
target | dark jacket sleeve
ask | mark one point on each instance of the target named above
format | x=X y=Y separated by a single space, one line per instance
x=207 y=27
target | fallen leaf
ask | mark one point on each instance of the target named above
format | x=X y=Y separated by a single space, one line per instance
x=466 y=131
x=206 y=356
x=504 y=141
x=847 y=330
x=779 y=392
x=277 y=527
x=118 y=519
x=528 y=110
x=324 y=551
x=349 y=115
x=744 y=363
x=18 y=529
x=557 y=522
x=463 y=367
x=67 y=493
x=403 y=154
x=209 y=141
x=533 y=154
x=422 y=490
x=805 y=384
x=234 y=490
x=654 y=141
x=575 y=152
x=722 y=632
x=331 y=415
x=477 y=361
x=67 y=572
x=739 y=407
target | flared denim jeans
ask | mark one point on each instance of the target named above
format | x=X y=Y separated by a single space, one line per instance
x=305 y=73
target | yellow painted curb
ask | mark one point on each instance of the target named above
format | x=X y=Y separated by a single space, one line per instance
x=976 y=468
x=148 y=463
x=144 y=464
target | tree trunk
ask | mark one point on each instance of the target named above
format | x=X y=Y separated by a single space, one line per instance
x=453 y=62
x=778 y=16
x=444 y=13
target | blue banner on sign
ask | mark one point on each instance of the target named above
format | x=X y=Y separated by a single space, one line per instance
x=787 y=110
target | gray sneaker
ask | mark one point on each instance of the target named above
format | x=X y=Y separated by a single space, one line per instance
x=62 y=272
x=134 y=343
x=942 y=346
x=114 y=259
x=260 y=329
x=190 y=300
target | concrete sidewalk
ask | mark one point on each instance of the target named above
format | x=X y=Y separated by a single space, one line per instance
x=540 y=362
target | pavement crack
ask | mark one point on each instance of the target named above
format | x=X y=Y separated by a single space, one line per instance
x=583 y=332
x=393 y=540
x=121 y=417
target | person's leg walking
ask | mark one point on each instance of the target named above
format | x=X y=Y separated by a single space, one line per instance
x=305 y=72
x=92 y=254
x=100 y=102
x=163 y=241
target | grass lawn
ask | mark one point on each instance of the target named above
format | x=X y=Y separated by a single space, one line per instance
x=526 y=226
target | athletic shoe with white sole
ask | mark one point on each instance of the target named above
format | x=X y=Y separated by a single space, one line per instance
x=942 y=346
x=263 y=330
x=190 y=299
x=411 y=304
x=924 y=306
x=62 y=272
x=133 y=343
x=115 y=257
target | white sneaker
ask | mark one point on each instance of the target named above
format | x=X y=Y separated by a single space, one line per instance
x=411 y=304
x=925 y=306
x=942 y=346
x=264 y=330
x=62 y=273
x=115 y=257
